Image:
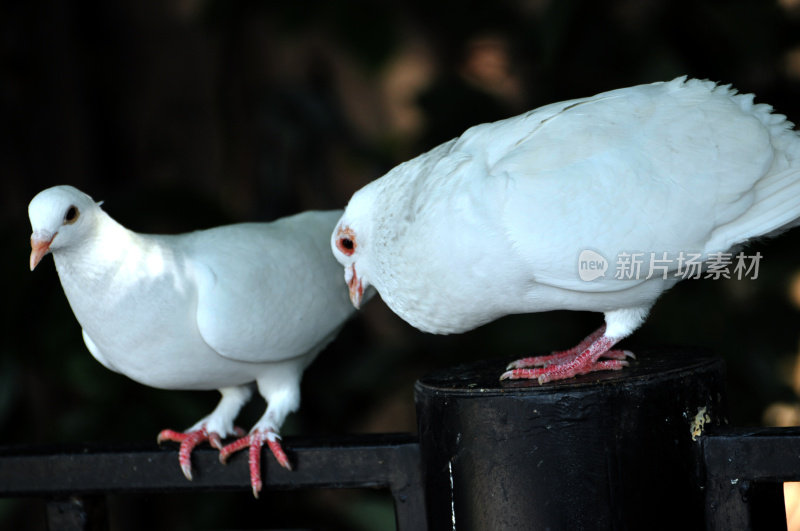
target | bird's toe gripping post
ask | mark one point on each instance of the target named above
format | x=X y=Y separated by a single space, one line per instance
x=255 y=441
x=188 y=441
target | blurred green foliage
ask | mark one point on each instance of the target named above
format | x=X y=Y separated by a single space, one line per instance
x=186 y=114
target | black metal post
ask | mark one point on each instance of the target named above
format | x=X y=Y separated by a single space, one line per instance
x=77 y=513
x=745 y=471
x=602 y=451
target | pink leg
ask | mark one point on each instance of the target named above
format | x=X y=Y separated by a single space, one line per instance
x=558 y=357
x=585 y=362
x=188 y=441
x=255 y=441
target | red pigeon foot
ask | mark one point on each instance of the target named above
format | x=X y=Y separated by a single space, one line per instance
x=188 y=441
x=566 y=356
x=583 y=359
x=255 y=440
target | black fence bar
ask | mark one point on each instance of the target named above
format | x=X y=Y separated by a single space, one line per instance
x=745 y=470
x=486 y=444
x=77 y=513
x=66 y=474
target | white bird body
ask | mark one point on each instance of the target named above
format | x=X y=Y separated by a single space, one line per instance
x=493 y=222
x=194 y=328
x=212 y=309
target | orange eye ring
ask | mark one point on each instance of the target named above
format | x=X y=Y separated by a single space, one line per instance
x=346 y=241
x=346 y=245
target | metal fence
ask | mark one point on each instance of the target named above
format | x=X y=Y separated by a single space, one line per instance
x=71 y=478
x=618 y=452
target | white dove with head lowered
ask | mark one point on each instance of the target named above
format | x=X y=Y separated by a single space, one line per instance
x=213 y=309
x=502 y=219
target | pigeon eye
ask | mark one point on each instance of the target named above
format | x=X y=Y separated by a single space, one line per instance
x=72 y=215
x=346 y=245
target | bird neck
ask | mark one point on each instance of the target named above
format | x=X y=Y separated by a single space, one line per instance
x=101 y=254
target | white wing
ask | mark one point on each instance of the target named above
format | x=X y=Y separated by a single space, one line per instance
x=667 y=167
x=290 y=305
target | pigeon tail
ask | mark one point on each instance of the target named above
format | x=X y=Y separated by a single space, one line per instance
x=776 y=196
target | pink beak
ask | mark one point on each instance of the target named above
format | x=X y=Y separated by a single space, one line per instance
x=40 y=246
x=356 y=288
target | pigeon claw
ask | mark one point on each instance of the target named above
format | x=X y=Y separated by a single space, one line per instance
x=561 y=372
x=255 y=441
x=561 y=358
x=215 y=440
x=592 y=354
x=557 y=358
x=169 y=435
x=280 y=455
x=188 y=441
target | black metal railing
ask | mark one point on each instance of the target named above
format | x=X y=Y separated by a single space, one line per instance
x=70 y=478
x=611 y=451
x=744 y=474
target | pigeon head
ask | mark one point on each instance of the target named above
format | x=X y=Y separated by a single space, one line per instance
x=349 y=243
x=346 y=244
x=60 y=216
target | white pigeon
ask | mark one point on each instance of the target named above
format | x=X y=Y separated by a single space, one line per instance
x=212 y=309
x=532 y=213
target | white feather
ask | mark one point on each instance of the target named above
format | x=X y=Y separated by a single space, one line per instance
x=212 y=309
x=493 y=222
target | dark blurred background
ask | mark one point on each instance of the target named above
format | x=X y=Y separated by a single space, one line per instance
x=185 y=114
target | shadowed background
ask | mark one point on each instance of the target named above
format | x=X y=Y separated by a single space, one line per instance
x=186 y=114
